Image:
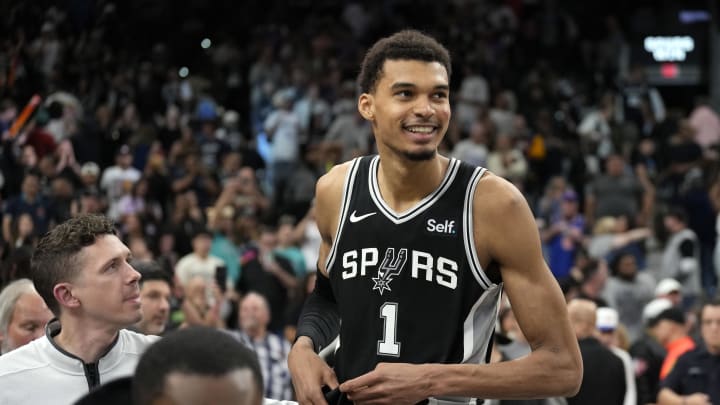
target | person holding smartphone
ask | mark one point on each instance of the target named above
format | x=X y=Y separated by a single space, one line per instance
x=270 y=275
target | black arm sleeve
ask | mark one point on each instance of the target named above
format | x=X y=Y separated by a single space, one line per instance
x=687 y=248
x=319 y=319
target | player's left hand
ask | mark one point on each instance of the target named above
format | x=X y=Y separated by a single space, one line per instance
x=389 y=383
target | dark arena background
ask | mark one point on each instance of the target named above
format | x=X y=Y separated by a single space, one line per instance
x=215 y=118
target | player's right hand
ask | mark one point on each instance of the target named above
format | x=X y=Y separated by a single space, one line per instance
x=309 y=373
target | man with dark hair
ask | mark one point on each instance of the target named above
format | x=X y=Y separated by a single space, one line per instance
x=594 y=276
x=695 y=379
x=416 y=250
x=669 y=327
x=406 y=45
x=198 y=366
x=81 y=270
x=155 y=293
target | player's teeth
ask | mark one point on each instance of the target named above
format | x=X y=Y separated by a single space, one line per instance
x=424 y=130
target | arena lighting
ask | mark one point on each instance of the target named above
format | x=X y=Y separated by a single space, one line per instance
x=669 y=48
x=693 y=16
x=183 y=72
x=206 y=43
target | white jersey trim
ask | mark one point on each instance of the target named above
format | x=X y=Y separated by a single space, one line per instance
x=468 y=235
x=424 y=204
x=480 y=324
x=347 y=194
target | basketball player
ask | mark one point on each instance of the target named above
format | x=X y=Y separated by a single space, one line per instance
x=416 y=249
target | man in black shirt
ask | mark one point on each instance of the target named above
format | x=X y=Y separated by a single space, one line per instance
x=695 y=379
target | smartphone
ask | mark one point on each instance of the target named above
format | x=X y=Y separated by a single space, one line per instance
x=221 y=277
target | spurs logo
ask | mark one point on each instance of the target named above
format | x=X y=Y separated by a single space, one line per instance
x=390 y=267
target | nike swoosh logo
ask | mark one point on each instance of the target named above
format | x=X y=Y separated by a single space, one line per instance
x=355 y=218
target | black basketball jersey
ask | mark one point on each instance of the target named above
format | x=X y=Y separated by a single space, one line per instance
x=409 y=285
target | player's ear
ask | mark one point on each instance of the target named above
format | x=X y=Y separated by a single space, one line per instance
x=64 y=295
x=366 y=106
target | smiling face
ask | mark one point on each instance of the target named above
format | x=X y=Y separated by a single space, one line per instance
x=254 y=314
x=107 y=290
x=409 y=108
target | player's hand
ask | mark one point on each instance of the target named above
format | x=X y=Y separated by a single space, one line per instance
x=309 y=373
x=389 y=383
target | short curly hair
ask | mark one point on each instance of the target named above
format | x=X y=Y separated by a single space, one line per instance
x=199 y=351
x=403 y=45
x=55 y=259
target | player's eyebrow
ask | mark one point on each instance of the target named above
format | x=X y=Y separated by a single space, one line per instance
x=404 y=85
x=401 y=85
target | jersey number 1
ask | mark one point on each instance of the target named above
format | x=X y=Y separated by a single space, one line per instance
x=389 y=346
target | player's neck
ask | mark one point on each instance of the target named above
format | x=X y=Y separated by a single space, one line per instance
x=403 y=183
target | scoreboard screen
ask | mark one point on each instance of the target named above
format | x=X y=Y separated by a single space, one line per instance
x=676 y=53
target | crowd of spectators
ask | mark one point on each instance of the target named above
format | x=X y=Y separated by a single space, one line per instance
x=201 y=130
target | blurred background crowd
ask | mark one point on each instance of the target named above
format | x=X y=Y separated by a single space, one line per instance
x=201 y=130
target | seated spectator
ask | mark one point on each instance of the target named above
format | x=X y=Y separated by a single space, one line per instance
x=23 y=315
x=271 y=349
x=81 y=270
